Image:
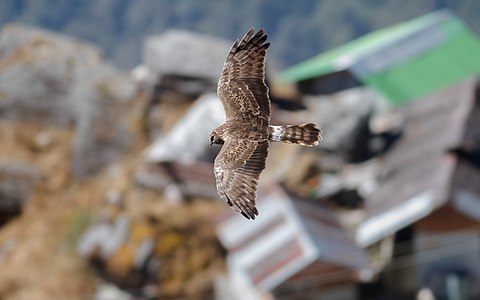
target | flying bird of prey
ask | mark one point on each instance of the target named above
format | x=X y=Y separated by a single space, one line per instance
x=246 y=133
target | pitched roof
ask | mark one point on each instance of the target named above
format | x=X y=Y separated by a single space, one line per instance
x=404 y=61
x=188 y=140
x=414 y=179
x=291 y=235
x=347 y=55
x=416 y=175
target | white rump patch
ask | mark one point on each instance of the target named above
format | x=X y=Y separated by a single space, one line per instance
x=277 y=133
x=218 y=172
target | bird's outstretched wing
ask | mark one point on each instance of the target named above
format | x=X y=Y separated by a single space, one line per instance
x=237 y=169
x=242 y=87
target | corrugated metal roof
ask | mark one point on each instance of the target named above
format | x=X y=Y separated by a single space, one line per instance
x=333 y=243
x=257 y=252
x=435 y=123
x=410 y=194
x=402 y=62
x=352 y=53
x=416 y=174
x=290 y=235
x=183 y=157
x=188 y=140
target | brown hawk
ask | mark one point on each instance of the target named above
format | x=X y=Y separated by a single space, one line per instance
x=246 y=133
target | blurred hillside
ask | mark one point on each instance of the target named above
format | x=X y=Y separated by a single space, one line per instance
x=71 y=136
x=120 y=26
x=106 y=183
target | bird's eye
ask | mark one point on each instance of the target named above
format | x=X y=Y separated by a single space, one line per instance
x=212 y=138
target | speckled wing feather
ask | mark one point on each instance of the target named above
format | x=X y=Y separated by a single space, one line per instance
x=241 y=86
x=237 y=169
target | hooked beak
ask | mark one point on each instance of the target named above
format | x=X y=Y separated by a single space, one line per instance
x=211 y=143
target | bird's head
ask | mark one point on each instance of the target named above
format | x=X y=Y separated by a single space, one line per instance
x=215 y=138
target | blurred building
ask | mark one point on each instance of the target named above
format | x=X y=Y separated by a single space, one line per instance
x=406 y=208
x=178 y=67
x=296 y=241
x=402 y=62
x=403 y=220
x=181 y=162
x=362 y=215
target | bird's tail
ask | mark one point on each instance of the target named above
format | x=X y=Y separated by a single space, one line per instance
x=305 y=134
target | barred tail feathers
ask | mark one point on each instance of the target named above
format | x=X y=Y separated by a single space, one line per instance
x=305 y=134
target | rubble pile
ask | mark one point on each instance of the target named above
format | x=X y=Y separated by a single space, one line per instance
x=72 y=140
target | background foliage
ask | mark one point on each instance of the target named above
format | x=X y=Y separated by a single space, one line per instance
x=298 y=29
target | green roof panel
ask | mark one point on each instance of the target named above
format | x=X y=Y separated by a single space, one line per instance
x=453 y=57
x=328 y=62
x=453 y=61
